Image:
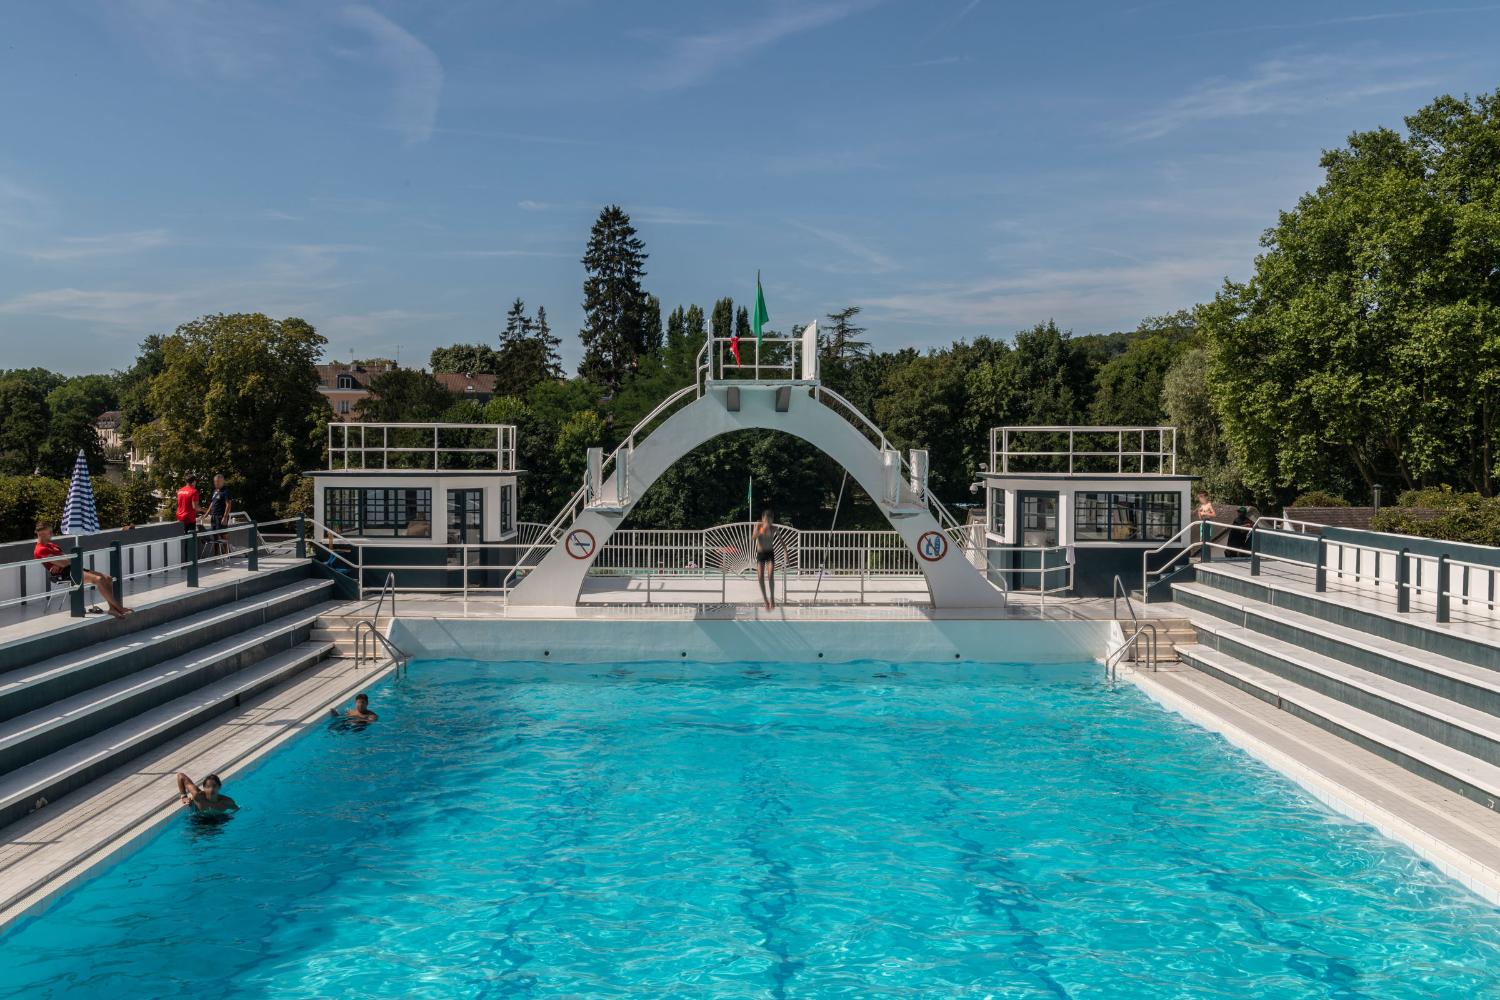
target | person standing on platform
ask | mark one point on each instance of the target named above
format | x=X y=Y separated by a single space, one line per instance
x=765 y=559
x=188 y=511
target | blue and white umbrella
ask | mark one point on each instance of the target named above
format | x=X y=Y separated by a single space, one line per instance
x=79 y=515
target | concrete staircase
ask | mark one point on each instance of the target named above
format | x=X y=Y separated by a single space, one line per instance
x=70 y=711
x=338 y=631
x=1423 y=695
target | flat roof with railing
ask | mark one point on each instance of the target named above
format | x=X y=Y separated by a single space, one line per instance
x=1083 y=451
x=416 y=447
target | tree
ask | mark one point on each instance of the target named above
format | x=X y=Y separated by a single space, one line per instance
x=237 y=394
x=23 y=424
x=614 y=335
x=73 y=407
x=465 y=359
x=1365 y=349
x=402 y=395
x=1128 y=387
x=135 y=384
x=528 y=352
x=843 y=346
x=651 y=336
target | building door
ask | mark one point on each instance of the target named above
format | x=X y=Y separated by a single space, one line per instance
x=1037 y=514
x=1038 y=519
x=465 y=525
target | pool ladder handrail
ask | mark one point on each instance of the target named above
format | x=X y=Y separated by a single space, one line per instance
x=368 y=640
x=1139 y=629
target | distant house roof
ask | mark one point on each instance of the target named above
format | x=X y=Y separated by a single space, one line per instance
x=466 y=384
x=328 y=376
x=109 y=420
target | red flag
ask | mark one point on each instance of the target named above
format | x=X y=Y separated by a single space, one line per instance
x=734 y=346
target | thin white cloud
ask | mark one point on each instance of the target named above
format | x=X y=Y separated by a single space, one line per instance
x=1082 y=298
x=531 y=205
x=1328 y=22
x=505 y=253
x=1288 y=84
x=112 y=307
x=417 y=73
x=663 y=215
x=860 y=257
x=240 y=41
x=694 y=58
x=105 y=245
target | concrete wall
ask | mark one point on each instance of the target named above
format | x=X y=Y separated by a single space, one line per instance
x=717 y=641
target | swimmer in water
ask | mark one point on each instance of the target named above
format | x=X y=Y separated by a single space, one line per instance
x=205 y=799
x=360 y=712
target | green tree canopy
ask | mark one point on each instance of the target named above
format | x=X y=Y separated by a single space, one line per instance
x=615 y=333
x=238 y=394
x=1366 y=347
x=404 y=394
x=465 y=359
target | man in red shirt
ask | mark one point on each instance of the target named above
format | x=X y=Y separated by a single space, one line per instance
x=187 y=505
x=46 y=548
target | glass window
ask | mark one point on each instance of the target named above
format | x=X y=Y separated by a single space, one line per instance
x=1126 y=517
x=1038 y=519
x=997 y=511
x=346 y=381
x=341 y=510
x=394 y=512
x=507 y=510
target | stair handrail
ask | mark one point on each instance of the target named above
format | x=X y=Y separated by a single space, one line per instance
x=936 y=507
x=1132 y=644
x=366 y=632
x=1118 y=592
x=579 y=500
x=388 y=587
x=1184 y=552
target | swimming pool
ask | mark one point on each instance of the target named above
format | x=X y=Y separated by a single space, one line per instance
x=763 y=831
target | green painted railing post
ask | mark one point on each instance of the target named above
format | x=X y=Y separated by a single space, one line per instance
x=253 y=558
x=75 y=572
x=301 y=536
x=1255 y=553
x=1442 y=588
x=1403 y=593
x=192 y=566
x=117 y=569
x=1320 y=571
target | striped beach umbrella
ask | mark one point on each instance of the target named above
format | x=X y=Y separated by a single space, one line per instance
x=79 y=515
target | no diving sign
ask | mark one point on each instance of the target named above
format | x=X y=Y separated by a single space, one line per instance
x=579 y=543
x=932 y=545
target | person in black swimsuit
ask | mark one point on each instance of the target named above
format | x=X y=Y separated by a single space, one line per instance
x=765 y=558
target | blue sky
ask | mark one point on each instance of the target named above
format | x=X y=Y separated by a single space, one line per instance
x=397 y=172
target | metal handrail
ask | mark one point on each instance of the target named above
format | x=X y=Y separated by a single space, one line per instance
x=388 y=587
x=1132 y=644
x=1118 y=592
x=1184 y=550
x=367 y=636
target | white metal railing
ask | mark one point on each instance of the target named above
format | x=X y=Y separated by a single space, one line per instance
x=771 y=358
x=1096 y=451
x=357 y=445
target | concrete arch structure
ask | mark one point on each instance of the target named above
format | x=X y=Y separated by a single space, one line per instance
x=726 y=407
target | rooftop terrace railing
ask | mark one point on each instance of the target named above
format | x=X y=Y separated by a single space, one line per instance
x=434 y=447
x=1083 y=451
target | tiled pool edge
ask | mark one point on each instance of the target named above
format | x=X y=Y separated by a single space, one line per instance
x=1481 y=878
x=312 y=693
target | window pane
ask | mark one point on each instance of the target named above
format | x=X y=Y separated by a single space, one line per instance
x=997 y=511
x=1090 y=517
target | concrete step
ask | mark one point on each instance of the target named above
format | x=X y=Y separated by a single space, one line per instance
x=82 y=761
x=1470 y=776
x=29 y=737
x=1460 y=726
x=150 y=611
x=1457 y=680
x=1290 y=591
x=33 y=686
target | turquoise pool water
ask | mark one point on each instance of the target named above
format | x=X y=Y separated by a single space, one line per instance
x=763 y=831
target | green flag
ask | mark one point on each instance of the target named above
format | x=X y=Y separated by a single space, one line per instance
x=758 y=322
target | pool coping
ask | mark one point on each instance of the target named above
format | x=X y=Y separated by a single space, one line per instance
x=49 y=852
x=1458 y=837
